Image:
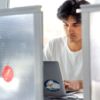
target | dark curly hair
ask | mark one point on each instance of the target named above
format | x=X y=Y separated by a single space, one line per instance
x=70 y=8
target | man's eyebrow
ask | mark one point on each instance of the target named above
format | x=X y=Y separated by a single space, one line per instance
x=77 y=23
x=72 y=22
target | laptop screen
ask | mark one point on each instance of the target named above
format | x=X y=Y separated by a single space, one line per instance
x=20 y=53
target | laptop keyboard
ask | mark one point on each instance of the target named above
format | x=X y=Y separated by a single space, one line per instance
x=65 y=98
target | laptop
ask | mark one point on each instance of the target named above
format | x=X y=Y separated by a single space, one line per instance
x=53 y=83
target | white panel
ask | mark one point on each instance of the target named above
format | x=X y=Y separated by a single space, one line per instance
x=21 y=53
x=95 y=54
x=91 y=50
x=4 y=4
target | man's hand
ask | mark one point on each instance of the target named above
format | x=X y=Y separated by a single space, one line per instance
x=73 y=85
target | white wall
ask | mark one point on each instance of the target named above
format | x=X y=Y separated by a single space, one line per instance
x=97 y=1
x=52 y=26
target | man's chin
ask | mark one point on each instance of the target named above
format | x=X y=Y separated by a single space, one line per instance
x=74 y=40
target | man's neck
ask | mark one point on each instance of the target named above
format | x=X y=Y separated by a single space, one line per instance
x=74 y=46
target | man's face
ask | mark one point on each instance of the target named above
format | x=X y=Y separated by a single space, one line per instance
x=72 y=29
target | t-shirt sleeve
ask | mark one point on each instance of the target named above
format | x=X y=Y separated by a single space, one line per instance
x=48 y=52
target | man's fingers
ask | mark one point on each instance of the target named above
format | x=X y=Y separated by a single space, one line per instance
x=66 y=84
x=72 y=85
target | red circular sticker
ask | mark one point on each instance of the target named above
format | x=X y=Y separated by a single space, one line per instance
x=7 y=73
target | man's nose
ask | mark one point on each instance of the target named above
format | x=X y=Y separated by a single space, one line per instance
x=70 y=29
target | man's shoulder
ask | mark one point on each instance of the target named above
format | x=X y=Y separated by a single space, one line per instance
x=55 y=44
x=53 y=50
x=57 y=40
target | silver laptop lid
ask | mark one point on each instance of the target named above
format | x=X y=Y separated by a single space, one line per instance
x=21 y=54
x=91 y=51
x=53 y=83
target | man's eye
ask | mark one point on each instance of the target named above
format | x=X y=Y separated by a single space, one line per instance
x=66 y=25
x=75 y=25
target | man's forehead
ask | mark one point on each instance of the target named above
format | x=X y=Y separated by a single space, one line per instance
x=70 y=19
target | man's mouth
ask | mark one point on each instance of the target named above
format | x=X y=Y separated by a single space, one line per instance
x=72 y=36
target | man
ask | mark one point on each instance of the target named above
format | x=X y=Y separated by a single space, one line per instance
x=68 y=50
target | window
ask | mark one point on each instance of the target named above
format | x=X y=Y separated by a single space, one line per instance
x=52 y=26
